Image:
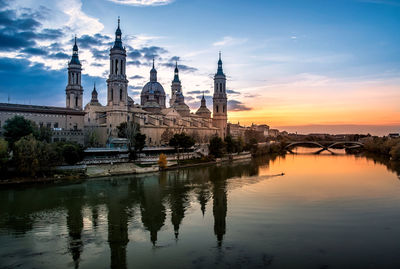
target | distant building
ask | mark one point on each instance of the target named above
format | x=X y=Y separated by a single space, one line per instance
x=66 y=124
x=273 y=132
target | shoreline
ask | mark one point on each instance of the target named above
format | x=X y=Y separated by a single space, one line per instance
x=107 y=170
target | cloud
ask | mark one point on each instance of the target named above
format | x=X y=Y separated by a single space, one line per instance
x=232 y=92
x=142 y=2
x=152 y=52
x=181 y=67
x=234 y=105
x=136 y=77
x=88 y=41
x=198 y=92
x=100 y=54
x=135 y=87
x=229 y=41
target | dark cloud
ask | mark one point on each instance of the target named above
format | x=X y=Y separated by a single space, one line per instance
x=34 y=51
x=152 y=52
x=97 y=64
x=135 y=87
x=136 y=77
x=175 y=59
x=100 y=54
x=232 y=92
x=235 y=105
x=134 y=54
x=48 y=34
x=181 y=67
x=198 y=92
x=59 y=56
x=137 y=63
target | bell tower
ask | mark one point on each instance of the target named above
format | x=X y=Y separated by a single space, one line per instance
x=117 y=84
x=74 y=90
x=220 y=101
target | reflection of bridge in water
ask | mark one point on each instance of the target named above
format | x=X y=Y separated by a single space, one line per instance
x=324 y=145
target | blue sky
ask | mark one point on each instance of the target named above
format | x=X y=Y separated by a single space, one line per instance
x=289 y=63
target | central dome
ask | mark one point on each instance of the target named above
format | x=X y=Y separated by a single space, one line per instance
x=153 y=91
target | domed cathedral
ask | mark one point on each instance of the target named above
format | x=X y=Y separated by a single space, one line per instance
x=74 y=90
x=220 y=101
x=117 y=84
x=177 y=99
x=152 y=97
x=203 y=110
x=151 y=114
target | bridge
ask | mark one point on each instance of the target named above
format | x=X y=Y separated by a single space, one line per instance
x=325 y=145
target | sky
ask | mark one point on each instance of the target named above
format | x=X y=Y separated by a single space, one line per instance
x=296 y=65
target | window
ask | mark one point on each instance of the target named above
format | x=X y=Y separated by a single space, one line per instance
x=223 y=109
x=120 y=94
x=116 y=65
x=217 y=109
x=112 y=93
x=76 y=101
x=40 y=124
x=56 y=125
x=48 y=125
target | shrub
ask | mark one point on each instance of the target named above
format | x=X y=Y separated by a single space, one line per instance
x=162 y=161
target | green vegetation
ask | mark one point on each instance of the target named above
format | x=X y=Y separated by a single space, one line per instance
x=389 y=147
x=137 y=140
x=31 y=150
x=217 y=147
x=181 y=141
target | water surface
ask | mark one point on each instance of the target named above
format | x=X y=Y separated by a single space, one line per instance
x=326 y=211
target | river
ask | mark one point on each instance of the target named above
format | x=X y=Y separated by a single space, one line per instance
x=326 y=211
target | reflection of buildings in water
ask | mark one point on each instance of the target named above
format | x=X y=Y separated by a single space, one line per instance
x=117 y=231
x=73 y=205
x=178 y=200
x=220 y=201
x=151 y=206
x=203 y=195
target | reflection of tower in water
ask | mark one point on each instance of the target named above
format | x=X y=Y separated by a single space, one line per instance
x=117 y=231
x=151 y=207
x=178 y=199
x=75 y=225
x=219 y=209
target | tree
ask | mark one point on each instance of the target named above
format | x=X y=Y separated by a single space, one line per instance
x=72 y=153
x=42 y=133
x=230 y=145
x=166 y=136
x=216 y=147
x=162 y=161
x=181 y=141
x=3 y=156
x=395 y=152
x=17 y=127
x=140 y=142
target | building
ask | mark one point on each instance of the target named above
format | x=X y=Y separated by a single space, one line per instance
x=74 y=123
x=66 y=123
x=152 y=114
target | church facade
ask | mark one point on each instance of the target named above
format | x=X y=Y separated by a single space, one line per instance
x=152 y=114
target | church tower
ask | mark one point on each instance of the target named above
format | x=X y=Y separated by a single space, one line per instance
x=74 y=90
x=117 y=84
x=176 y=86
x=220 y=111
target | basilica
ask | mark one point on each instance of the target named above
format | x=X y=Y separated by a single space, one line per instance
x=152 y=114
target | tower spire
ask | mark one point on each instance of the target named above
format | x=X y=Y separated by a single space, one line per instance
x=118 y=40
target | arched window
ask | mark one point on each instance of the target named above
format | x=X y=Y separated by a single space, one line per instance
x=76 y=101
x=112 y=94
x=217 y=108
x=116 y=65
x=120 y=94
x=223 y=109
x=121 y=67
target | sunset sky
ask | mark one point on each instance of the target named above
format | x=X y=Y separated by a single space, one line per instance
x=299 y=65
